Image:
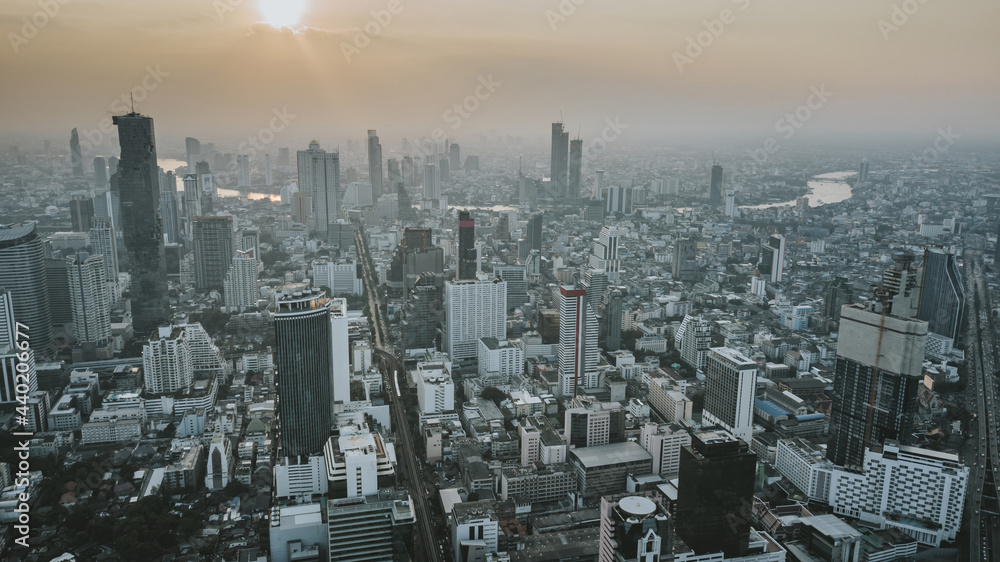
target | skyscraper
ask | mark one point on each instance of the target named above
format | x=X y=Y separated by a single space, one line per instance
x=319 y=176
x=193 y=150
x=516 y=277
x=715 y=188
x=75 y=156
x=214 y=249
x=240 y=287
x=142 y=229
x=534 y=233
x=22 y=273
x=836 y=294
x=715 y=492
x=942 y=295
x=88 y=295
x=730 y=383
x=578 y=334
x=268 y=171
x=731 y=209
x=375 y=164
x=879 y=367
x=304 y=371
x=559 y=160
x=863 y=171
x=685 y=266
x=772 y=258
x=17 y=366
x=166 y=361
x=598 y=185
x=340 y=374
x=474 y=308
x=611 y=322
x=81 y=210
x=100 y=173
x=575 y=167
x=466 y=246
x=455 y=156
x=242 y=170
x=605 y=254
x=432 y=182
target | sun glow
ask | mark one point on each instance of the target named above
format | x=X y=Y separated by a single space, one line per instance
x=282 y=13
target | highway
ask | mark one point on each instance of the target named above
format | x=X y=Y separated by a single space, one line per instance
x=426 y=544
x=983 y=492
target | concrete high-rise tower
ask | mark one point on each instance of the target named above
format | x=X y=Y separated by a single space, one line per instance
x=139 y=187
x=575 y=167
x=88 y=294
x=578 y=335
x=214 y=249
x=605 y=254
x=375 y=164
x=319 y=177
x=559 y=159
x=304 y=365
x=193 y=150
x=242 y=170
x=730 y=383
x=100 y=173
x=22 y=273
x=715 y=187
x=772 y=258
x=879 y=367
x=466 y=246
x=863 y=171
x=685 y=266
x=474 y=308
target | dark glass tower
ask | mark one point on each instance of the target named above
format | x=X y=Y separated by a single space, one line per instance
x=575 y=167
x=534 y=235
x=466 y=246
x=138 y=184
x=75 y=155
x=836 y=294
x=715 y=189
x=612 y=320
x=942 y=298
x=559 y=160
x=213 y=250
x=715 y=493
x=23 y=274
x=304 y=363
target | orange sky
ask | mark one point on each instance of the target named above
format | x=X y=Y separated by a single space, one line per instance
x=223 y=73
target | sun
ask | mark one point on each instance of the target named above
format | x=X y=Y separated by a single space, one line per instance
x=282 y=13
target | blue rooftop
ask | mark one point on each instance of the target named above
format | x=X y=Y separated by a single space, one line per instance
x=771 y=409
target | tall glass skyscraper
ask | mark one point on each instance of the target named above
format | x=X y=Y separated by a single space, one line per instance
x=142 y=229
x=715 y=188
x=942 y=297
x=319 y=176
x=466 y=246
x=375 y=164
x=304 y=364
x=22 y=273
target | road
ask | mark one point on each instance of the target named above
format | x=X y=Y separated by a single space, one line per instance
x=410 y=475
x=983 y=491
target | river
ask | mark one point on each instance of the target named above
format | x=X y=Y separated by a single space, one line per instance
x=823 y=189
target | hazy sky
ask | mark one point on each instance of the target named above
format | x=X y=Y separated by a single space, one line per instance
x=223 y=72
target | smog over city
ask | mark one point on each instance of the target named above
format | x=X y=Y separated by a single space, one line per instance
x=647 y=280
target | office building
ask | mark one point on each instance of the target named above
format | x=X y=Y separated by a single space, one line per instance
x=81 y=212
x=475 y=531
x=422 y=316
x=772 y=258
x=466 y=246
x=664 y=442
x=578 y=349
x=75 y=155
x=192 y=149
x=268 y=171
x=432 y=182
x=304 y=365
x=685 y=265
x=57 y=278
x=575 y=167
x=730 y=382
x=166 y=361
x=15 y=365
x=879 y=368
x=534 y=231
x=942 y=294
x=242 y=170
x=240 y=286
x=375 y=164
x=603 y=470
x=635 y=529
x=611 y=321
x=435 y=387
x=172 y=229
x=191 y=199
x=836 y=294
x=319 y=178
x=715 y=187
x=298 y=532
x=23 y=275
x=500 y=360
x=455 y=156
x=142 y=229
x=715 y=492
x=693 y=339
x=474 y=309
x=594 y=424
x=340 y=278
x=372 y=528
x=863 y=171
x=617 y=199
x=358 y=463
x=340 y=382
x=559 y=159
x=214 y=248
x=605 y=253
x=516 y=277
x=731 y=210
x=88 y=292
x=100 y=173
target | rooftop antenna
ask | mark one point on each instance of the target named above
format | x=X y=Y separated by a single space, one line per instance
x=560 y=116
x=131 y=97
x=714 y=161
